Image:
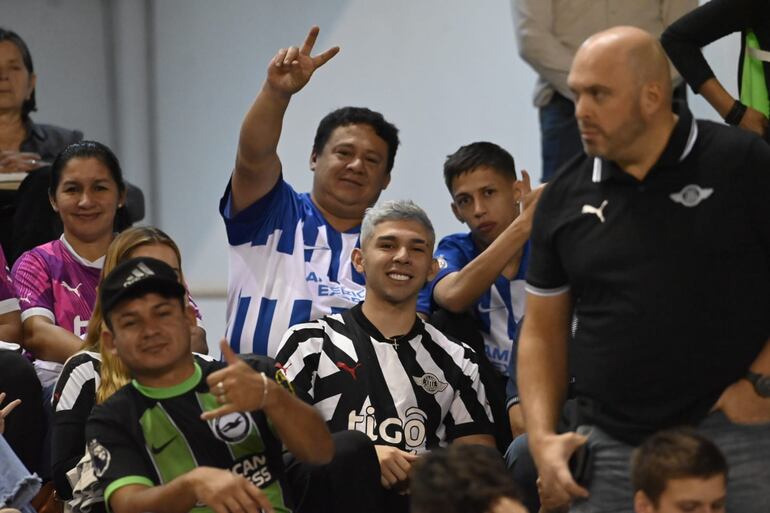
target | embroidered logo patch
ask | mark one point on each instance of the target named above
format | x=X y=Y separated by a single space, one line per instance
x=597 y=211
x=691 y=195
x=430 y=383
x=232 y=428
x=441 y=262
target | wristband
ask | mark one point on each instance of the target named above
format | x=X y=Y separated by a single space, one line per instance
x=264 y=393
x=736 y=113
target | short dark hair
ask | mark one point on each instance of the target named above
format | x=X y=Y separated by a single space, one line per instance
x=460 y=479
x=96 y=150
x=357 y=116
x=474 y=155
x=674 y=454
x=29 y=105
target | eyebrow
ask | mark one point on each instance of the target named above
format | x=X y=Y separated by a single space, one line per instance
x=393 y=238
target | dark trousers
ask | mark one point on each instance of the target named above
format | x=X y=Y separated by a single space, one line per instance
x=26 y=426
x=349 y=483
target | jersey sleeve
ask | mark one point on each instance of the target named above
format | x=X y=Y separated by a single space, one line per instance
x=73 y=399
x=546 y=275
x=32 y=282
x=116 y=458
x=469 y=412
x=279 y=209
x=451 y=258
x=8 y=301
x=298 y=355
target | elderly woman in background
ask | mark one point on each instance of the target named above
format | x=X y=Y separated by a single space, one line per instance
x=24 y=145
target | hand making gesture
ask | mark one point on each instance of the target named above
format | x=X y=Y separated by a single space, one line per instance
x=292 y=67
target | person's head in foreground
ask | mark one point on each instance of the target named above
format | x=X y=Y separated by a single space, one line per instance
x=148 y=320
x=463 y=479
x=396 y=253
x=481 y=177
x=622 y=85
x=677 y=471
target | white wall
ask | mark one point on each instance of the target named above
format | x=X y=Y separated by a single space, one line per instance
x=446 y=72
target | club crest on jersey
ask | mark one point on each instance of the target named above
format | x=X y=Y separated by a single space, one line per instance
x=139 y=272
x=100 y=457
x=232 y=428
x=441 y=262
x=691 y=195
x=430 y=383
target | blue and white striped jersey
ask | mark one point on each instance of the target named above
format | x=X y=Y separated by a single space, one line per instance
x=499 y=310
x=287 y=266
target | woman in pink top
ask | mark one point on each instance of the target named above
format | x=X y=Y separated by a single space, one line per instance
x=56 y=282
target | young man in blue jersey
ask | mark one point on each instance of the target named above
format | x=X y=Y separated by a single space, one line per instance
x=290 y=252
x=188 y=433
x=481 y=272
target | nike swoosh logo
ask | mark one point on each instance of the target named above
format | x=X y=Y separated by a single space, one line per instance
x=313 y=248
x=158 y=450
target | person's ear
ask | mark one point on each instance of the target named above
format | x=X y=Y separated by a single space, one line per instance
x=434 y=268
x=456 y=212
x=357 y=258
x=518 y=190
x=642 y=503
x=313 y=158
x=651 y=98
x=108 y=341
x=189 y=313
x=52 y=201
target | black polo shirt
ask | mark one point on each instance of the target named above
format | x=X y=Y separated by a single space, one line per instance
x=670 y=275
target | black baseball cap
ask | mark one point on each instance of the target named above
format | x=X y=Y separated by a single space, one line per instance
x=135 y=278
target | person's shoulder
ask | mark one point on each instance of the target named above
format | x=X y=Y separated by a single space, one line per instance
x=83 y=357
x=117 y=406
x=461 y=239
x=57 y=135
x=39 y=256
x=730 y=149
x=458 y=349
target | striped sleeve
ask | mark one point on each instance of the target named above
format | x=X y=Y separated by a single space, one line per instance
x=469 y=412
x=298 y=355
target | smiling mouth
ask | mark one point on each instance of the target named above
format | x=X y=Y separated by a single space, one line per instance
x=399 y=276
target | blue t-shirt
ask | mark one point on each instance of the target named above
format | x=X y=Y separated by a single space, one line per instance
x=287 y=266
x=499 y=310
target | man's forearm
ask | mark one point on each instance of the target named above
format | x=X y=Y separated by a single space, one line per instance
x=458 y=291
x=541 y=371
x=261 y=129
x=176 y=496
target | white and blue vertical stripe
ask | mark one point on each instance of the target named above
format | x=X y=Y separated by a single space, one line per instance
x=499 y=310
x=287 y=266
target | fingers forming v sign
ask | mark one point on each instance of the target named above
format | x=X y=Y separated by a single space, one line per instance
x=292 y=67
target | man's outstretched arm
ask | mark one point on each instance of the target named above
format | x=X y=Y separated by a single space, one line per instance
x=257 y=166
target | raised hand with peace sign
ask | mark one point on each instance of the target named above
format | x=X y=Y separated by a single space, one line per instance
x=292 y=67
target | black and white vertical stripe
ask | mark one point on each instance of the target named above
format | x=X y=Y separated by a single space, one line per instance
x=344 y=367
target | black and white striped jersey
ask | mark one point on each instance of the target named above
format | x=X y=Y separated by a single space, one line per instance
x=415 y=392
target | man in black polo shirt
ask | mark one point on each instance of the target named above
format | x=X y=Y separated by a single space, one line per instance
x=658 y=240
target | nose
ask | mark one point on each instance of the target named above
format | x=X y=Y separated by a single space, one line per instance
x=581 y=107
x=85 y=199
x=356 y=164
x=402 y=255
x=479 y=209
